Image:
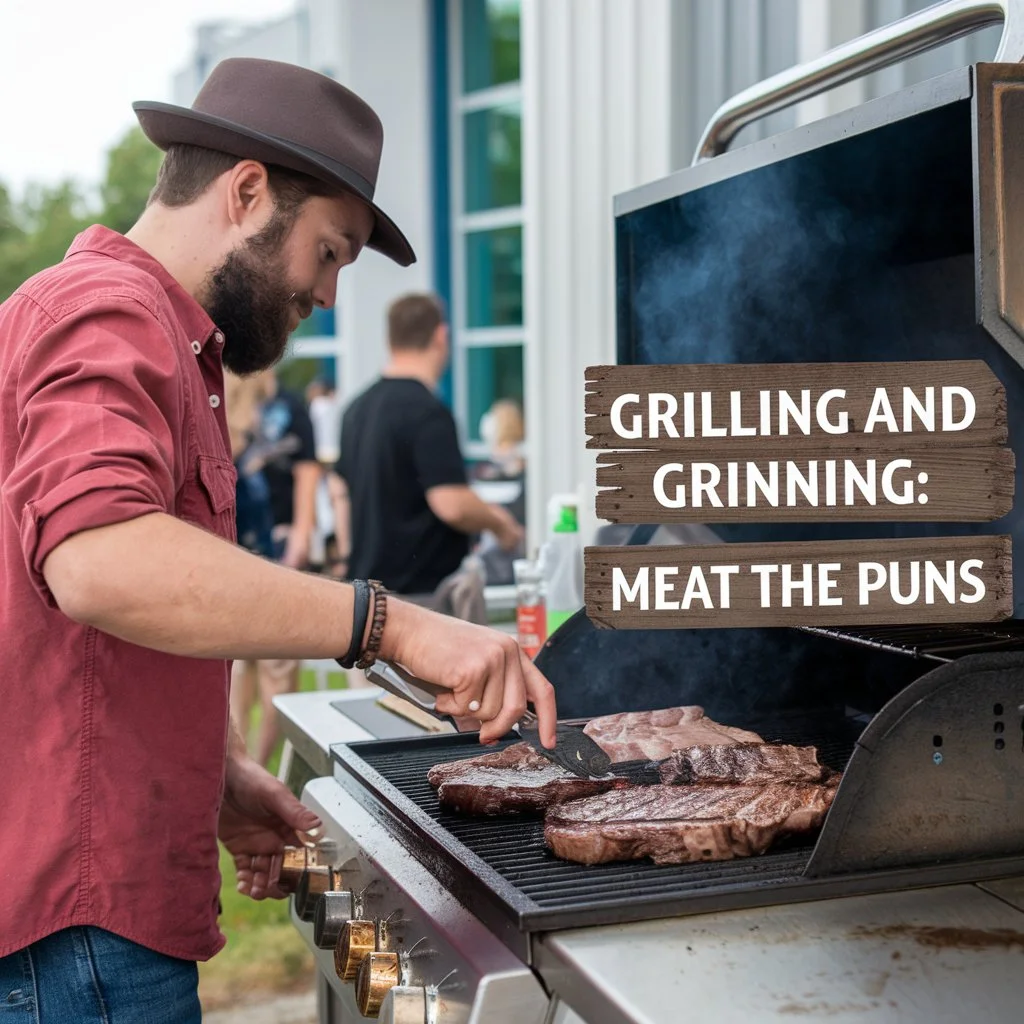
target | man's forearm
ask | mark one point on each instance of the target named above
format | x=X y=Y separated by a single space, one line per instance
x=306 y=477
x=463 y=509
x=161 y=583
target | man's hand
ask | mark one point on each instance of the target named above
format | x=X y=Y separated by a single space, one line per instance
x=507 y=530
x=258 y=818
x=296 y=548
x=476 y=663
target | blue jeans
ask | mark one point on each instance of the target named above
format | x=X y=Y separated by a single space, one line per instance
x=90 y=976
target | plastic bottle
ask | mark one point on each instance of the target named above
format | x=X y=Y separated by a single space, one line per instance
x=531 y=619
x=561 y=560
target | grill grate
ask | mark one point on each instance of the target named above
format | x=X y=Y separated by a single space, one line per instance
x=936 y=643
x=502 y=870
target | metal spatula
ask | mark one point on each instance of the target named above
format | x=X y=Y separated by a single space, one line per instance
x=574 y=750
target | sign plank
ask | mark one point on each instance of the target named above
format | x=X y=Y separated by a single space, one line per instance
x=924 y=580
x=949 y=485
x=720 y=408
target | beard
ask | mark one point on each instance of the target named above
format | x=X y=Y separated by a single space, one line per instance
x=248 y=297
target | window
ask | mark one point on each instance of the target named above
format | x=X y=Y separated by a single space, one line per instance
x=489 y=330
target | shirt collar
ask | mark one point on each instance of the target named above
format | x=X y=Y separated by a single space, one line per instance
x=193 y=318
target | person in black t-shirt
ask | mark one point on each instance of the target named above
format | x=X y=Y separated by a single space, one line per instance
x=412 y=510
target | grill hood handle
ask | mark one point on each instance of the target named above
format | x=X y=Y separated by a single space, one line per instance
x=887 y=45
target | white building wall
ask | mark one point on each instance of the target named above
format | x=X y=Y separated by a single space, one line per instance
x=597 y=121
x=383 y=50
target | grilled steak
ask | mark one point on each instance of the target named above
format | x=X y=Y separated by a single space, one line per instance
x=516 y=780
x=682 y=824
x=744 y=763
x=633 y=735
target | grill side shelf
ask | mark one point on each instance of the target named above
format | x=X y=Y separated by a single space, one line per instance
x=937 y=776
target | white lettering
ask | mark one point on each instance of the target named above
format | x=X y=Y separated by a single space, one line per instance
x=702 y=486
x=630 y=433
x=765 y=572
x=975 y=581
x=870 y=577
x=842 y=424
x=662 y=408
x=679 y=501
x=723 y=572
x=696 y=587
x=662 y=587
x=736 y=409
x=826 y=583
x=621 y=589
x=891 y=494
x=970 y=409
x=912 y=407
x=789 y=410
x=881 y=412
x=804 y=584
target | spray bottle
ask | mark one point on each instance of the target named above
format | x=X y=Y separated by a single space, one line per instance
x=562 y=561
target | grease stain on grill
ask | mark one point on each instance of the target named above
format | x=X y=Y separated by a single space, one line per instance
x=946 y=938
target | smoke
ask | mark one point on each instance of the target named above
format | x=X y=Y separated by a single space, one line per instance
x=739 y=676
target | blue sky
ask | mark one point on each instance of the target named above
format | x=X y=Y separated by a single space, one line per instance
x=69 y=72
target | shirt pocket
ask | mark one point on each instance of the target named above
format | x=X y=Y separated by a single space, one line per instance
x=211 y=501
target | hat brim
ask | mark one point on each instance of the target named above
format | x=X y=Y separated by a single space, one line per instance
x=165 y=125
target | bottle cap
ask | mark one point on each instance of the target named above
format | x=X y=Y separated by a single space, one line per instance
x=566 y=522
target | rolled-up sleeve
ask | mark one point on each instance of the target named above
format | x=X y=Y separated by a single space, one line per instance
x=100 y=402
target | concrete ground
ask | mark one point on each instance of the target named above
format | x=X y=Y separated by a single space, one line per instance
x=294 y=1009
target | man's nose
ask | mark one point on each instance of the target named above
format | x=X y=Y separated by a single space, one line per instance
x=326 y=291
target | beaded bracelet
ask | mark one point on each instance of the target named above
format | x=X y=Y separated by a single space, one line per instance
x=380 y=615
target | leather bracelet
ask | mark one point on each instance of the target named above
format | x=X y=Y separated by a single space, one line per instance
x=380 y=615
x=360 y=612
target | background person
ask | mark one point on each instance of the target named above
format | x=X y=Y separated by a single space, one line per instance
x=412 y=511
x=281 y=453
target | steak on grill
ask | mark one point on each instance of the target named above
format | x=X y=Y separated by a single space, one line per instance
x=744 y=763
x=682 y=824
x=633 y=735
x=516 y=780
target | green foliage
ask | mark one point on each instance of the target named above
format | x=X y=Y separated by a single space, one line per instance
x=36 y=230
x=131 y=171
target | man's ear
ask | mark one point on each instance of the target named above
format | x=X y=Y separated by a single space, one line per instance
x=249 y=202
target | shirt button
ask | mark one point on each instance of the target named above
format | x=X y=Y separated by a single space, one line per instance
x=214 y=401
x=218 y=336
x=196 y=347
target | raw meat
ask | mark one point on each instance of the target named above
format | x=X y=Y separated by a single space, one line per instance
x=744 y=763
x=516 y=780
x=653 y=735
x=683 y=824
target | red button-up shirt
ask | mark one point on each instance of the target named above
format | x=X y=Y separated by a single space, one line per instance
x=111 y=755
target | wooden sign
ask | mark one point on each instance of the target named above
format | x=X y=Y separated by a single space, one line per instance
x=917 y=485
x=783 y=408
x=812 y=583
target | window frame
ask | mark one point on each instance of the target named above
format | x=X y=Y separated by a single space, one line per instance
x=464 y=338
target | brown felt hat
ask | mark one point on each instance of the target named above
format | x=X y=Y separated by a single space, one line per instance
x=286 y=115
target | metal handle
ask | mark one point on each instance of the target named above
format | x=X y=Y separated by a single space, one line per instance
x=890 y=44
x=402 y=683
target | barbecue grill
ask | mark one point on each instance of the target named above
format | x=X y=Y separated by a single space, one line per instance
x=891 y=232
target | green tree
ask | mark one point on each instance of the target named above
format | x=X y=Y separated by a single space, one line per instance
x=131 y=171
x=36 y=230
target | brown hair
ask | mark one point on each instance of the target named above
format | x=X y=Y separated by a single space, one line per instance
x=412 y=321
x=188 y=171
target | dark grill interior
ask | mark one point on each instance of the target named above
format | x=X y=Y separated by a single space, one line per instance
x=503 y=865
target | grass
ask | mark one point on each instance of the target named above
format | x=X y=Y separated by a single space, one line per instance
x=264 y=954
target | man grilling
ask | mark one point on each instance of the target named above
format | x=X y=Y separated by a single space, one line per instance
x=123 y=592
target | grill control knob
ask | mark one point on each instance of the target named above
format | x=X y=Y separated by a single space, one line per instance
x=358 y=940
x=330 y=915
x=315 y=881
x=378 y=973
x=292 y=865
x=404 y=1004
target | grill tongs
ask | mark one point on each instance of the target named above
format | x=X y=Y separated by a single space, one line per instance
x=574 y=750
